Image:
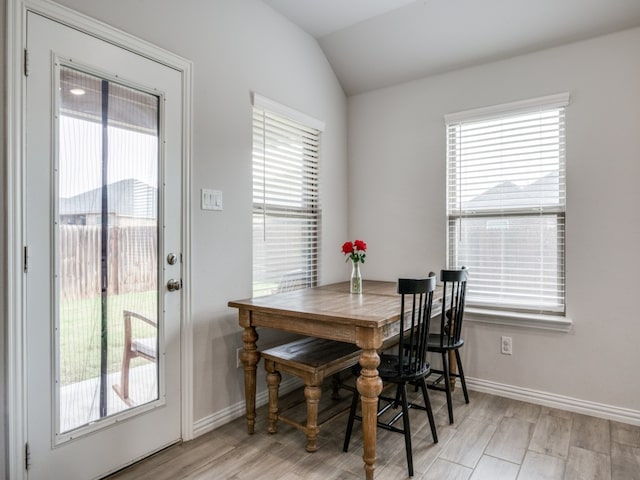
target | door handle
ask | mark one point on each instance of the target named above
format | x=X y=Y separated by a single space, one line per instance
x=173 y=285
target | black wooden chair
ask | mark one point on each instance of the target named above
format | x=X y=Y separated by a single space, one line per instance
x=454 y=283
x=408 y=366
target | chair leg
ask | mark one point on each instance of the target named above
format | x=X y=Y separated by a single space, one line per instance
x=407 y=428
x=352 y=417
x=336 y=383
x=273 y=384
x=427 y=404
x=398 y=397
x=461 y=374
x=312 y=394
x=447 y=385
x=124 y=377
x=123 y=389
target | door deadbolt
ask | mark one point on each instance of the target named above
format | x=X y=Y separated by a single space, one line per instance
x=172 y=259
x=173 y=285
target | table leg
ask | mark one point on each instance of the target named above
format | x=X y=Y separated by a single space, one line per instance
x=453 y=369
x=369 y=386
x=250 y=357
x=452 y=360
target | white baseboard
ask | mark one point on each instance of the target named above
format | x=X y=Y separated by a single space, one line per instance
x=217 y=419
x=609 y=412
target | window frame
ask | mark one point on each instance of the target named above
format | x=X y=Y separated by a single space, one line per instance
x=503 y=312
x=301 y=274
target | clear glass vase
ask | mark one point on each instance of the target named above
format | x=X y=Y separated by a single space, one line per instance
x=356 y=278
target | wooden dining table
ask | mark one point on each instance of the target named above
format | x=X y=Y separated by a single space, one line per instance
x=330 y=311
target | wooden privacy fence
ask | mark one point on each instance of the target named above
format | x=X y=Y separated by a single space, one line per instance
x=132 y=260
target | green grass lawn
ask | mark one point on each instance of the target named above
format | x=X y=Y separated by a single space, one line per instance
x=80 y=336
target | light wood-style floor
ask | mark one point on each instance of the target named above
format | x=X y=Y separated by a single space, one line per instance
x=493 y=438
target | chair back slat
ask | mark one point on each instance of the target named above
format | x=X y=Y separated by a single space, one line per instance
x=415 y=317
x=454 y=284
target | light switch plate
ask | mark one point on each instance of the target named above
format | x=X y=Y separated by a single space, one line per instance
x=211 y=199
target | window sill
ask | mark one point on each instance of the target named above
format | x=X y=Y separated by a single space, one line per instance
x=555 y=323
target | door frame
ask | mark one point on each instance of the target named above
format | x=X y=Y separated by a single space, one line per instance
x=16 y=400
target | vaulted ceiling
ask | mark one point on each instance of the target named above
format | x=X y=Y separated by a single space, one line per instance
x=376 y=43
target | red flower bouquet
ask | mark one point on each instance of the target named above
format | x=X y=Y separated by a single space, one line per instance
x=355 y=251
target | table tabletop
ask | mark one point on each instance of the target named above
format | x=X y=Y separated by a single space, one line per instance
x=378 y=307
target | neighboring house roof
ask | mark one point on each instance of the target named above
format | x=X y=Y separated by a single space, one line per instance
x=126 y=198
x=542 y=192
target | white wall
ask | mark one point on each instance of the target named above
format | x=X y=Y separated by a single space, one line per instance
x=397 y=203
x=237 y=47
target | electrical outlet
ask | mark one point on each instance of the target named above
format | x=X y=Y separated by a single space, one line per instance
x=507 y=346
x=238 y=357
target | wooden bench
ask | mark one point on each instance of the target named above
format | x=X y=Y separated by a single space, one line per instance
x=312 y=360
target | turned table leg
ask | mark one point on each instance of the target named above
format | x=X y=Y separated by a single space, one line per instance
x=250 y=357
x=453 y=369
x=369 y=387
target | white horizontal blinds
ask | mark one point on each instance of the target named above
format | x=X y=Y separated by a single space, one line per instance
x=286 y=209
x=506 y=207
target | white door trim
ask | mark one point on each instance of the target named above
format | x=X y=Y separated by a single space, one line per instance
x=15 y=135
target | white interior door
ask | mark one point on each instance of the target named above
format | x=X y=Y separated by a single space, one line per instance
x=103 y=234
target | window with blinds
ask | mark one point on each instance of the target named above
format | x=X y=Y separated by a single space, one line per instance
x=286 y=207
x=506 y=203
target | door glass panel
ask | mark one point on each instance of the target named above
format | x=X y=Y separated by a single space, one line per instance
x=106 y=249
